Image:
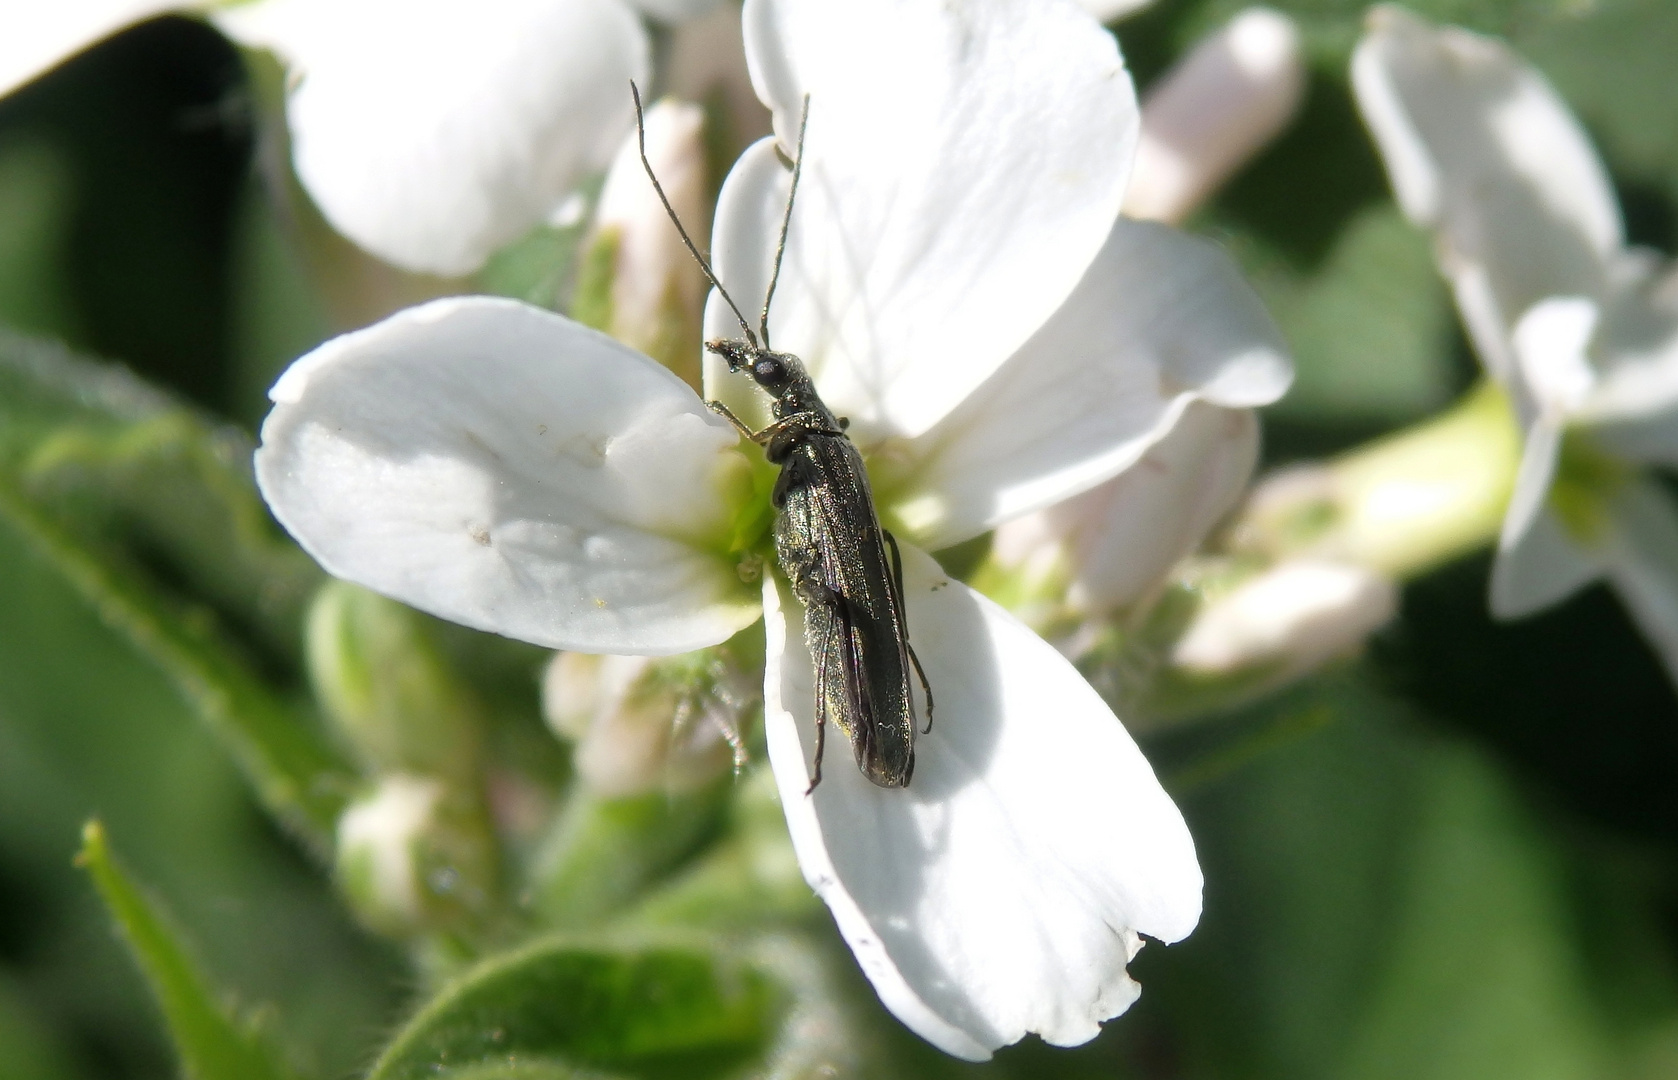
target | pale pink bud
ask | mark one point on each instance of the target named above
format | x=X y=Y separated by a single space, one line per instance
x=656 y=289
x=1295 y=615
x=636 y=729
x=707 y=62
x=1213 y=111
x=1114 y=543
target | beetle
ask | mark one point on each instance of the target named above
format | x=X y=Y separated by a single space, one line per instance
x=845 y=569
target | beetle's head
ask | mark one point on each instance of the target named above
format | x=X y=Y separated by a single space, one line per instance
x=773 y=371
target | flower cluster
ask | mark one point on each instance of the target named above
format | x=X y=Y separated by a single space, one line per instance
x=959 y=283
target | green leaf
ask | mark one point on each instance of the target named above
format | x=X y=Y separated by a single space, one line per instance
x=529 y=1069
x=36 y=218
x=27 y=1046
x=1483 y=976
x=296 y=774
x=123 y=460
x=1370 y=326
x=749 y=880
x=211 y=1044
x=1386 y=904
x=641 y=1010
x=106 y=477
x=538 y=268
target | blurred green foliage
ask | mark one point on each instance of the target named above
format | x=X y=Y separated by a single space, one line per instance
x=213 y=1045
x=1455 y=858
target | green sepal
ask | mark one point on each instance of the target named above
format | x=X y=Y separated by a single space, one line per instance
x=113 y=457
x=383 y=679
x=591 y=303
x=605 y=852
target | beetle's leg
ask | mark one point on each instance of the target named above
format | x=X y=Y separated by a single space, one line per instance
x=897 y=574
x=903 y=612
x=761 y=437
x=821 y=704
x=926 y=688
x=739 y=425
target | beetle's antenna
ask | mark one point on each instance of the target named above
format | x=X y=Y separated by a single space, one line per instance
x=786 y=219
x=641 y=134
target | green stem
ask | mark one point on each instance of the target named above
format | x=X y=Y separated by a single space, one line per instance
x=1403 y=504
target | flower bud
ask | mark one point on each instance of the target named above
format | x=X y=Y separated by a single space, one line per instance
x=707 y=63
x=388 y=688
x=412 y=857
x=644 y=724
x=1213 y=111
x=1292 y=617
x=638 y=281
x=1111 y=546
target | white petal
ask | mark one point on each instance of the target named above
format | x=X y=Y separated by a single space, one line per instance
x=1550 y=344
x=1161 y=319
x=1539 y=567
x=432 y=133
x=1537 y=471
x=1643 y=565
x=1480 y=148
x=39 y=36
x=962 y=168
x=1637 y=352
x=1651 y=440
x=503 y=467
x=1126 y=535
x=1003 y=890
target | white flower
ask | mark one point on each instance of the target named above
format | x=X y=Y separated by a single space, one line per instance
x=433 y=132
x=1580 y=329
x=430 y=132
x=956 y=278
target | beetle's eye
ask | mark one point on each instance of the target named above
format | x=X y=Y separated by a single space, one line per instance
x=768 y=370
